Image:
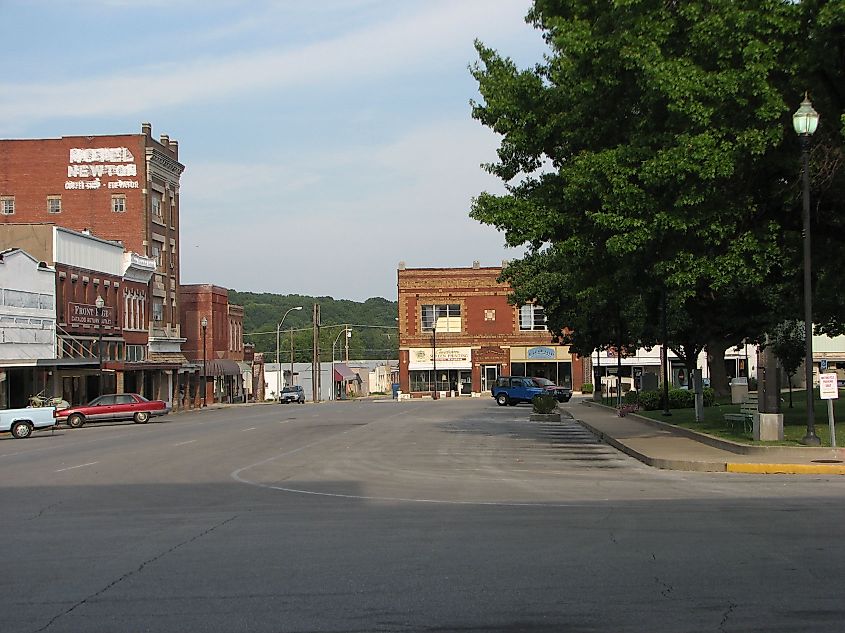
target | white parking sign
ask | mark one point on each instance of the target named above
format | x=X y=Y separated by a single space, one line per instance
x=828 y=389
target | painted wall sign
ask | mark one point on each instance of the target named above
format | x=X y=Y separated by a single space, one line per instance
x=86 y=314
x=541 y=353
x=91 y=165
x=447 y=358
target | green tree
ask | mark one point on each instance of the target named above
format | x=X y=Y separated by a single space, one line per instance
x=788 y=343
x=651 y=140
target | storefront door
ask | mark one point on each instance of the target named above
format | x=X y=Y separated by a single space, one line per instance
x=489 y=373
x=465 y=383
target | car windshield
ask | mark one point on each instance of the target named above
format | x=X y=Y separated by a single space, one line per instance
x=290 y=389
x=543 y=382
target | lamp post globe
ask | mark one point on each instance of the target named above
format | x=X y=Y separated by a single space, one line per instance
x=805 y=121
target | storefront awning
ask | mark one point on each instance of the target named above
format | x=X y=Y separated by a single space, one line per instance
x=342 y=373
x=222 y=367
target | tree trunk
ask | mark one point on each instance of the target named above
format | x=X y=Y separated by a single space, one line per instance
x=789 y=377
x=716 y=359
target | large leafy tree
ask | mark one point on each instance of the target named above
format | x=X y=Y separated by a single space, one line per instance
x=651 y=140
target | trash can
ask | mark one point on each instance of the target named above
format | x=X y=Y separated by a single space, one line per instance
x=395 y=390
x=739 y=390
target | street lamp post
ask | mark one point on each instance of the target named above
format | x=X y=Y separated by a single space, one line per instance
x=204 y=324
x=348 y=332
x=278 y=357
x=805 y=121
x=100 y=303
x=434 y=359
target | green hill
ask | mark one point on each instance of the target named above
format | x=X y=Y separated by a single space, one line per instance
x=373 y=323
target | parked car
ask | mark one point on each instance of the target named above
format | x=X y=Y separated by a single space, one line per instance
x=21 y=422
x=561 y=394
x=115 y=406
x=511 y=390
x=292 y=393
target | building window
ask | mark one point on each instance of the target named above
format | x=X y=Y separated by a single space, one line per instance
x=7 y=205
x=118 y=204
x=447 y=317
x=158 y=311
x=136 y=353
x=54 y=204
x=532 y=317
x=156 y=252
x=155 y=202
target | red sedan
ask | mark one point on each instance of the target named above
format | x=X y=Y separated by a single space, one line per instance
x=115 y=406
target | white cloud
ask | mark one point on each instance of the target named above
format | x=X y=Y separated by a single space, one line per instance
x=425 y=37
x=346 y=244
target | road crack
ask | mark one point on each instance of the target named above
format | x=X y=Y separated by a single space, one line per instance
x=727 y=615
x=129 y=574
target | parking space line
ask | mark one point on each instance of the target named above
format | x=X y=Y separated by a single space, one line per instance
x=183 y=443
x=61 y=470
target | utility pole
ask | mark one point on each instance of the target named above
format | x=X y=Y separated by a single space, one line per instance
x=291 y=355
x=315 y=357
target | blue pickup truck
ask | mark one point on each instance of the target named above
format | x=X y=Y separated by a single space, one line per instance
x=511 y=390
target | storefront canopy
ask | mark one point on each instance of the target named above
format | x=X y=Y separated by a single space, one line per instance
x=222 y=367
x=342 y=373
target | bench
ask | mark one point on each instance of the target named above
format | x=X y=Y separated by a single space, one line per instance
x=746 y=413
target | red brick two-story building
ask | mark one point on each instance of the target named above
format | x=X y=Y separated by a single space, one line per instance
x=458 y=333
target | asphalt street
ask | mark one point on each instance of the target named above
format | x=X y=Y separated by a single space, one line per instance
x=413 y=516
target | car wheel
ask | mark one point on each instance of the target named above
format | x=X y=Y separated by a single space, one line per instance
x=76 y=420
x=21 y=430
x=141 y=417
x=502 y=399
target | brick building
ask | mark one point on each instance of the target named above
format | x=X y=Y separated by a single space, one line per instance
x=88 y=268
x=121 y=188
x=458 y=322
x=219 y=346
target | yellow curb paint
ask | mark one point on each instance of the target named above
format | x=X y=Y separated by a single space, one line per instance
x=786 y=469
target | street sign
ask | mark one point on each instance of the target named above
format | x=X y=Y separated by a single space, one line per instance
x=823 y=364
x=828 y=388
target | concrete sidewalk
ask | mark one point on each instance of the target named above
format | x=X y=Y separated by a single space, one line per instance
x=665 y=446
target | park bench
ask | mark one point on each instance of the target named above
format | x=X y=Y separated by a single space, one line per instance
x=746 y=413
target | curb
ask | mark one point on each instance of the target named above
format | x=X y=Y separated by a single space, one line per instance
x=663 y=464
x=716 y=467
x=787 y=469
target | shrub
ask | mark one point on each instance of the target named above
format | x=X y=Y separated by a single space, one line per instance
x=650 y=400
x=752 y=384
x=681 y=399
x=544 y=403
x=630 y=398
x=709 y=397
x=587 y=387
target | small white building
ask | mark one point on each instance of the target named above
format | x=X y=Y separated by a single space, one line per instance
x=27 y=320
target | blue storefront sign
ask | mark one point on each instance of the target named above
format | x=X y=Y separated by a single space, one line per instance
x=541 y=353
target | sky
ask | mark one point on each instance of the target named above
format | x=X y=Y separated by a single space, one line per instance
x=323 y=142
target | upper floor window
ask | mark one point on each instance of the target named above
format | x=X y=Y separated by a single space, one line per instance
x=7 y=205
x=118 y=204
x=158 y=310
x=447 y=317
x=54 y=204
x=156 y=204
x=532 y=317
